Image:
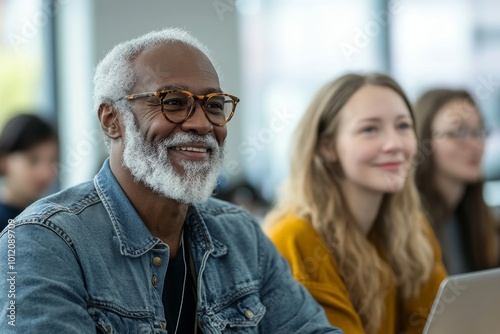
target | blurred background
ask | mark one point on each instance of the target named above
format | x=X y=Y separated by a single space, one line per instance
x=273 y=54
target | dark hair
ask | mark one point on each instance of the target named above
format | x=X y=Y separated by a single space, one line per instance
x=475 y=218
x=23 y=132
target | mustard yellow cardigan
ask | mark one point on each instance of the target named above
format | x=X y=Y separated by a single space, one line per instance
x=316 y=269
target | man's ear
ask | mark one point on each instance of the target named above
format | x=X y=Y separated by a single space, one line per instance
x=327 y=149
x=110 y=121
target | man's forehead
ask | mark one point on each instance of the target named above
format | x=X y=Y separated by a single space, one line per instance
x=173 y=61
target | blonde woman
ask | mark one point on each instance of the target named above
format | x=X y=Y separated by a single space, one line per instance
x=348 y=219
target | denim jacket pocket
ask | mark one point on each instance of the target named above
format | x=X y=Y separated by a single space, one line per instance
x=115 y=321
x=243 y=315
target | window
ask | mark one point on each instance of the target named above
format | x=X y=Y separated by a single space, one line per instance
x=25 y=78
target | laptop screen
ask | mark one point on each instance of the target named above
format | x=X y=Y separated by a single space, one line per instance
x=467 y=303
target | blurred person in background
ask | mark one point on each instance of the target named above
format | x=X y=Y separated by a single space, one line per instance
x=28 y=163
x=244 y=194
x=452 y=134
x=348 y=219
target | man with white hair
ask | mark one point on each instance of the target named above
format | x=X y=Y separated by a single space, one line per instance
x=143 y=248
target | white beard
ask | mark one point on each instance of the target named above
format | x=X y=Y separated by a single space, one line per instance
x=150 y=164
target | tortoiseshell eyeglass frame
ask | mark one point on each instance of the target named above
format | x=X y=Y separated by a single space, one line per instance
x=202 y=98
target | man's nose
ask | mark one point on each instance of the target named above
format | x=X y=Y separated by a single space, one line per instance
x=198 y=121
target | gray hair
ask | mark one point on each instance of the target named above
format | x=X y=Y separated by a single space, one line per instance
x=114 y=75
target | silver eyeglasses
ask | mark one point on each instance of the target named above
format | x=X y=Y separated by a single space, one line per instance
x=464 y=133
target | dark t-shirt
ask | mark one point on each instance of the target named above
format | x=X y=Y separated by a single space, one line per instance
x=7 y=212
x=172 y=294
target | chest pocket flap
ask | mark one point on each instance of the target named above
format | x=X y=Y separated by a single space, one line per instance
x=245 y=312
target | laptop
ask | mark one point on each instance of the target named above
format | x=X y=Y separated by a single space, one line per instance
x=467 y=303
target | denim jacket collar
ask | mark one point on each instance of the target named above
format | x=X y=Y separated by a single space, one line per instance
x=200 y=235
x=134 y=237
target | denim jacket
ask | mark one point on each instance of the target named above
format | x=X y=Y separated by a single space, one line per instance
x=83 y=263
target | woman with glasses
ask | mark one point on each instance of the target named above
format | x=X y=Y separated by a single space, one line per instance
x=348 y=218
x=28 y=163
x=448 y=175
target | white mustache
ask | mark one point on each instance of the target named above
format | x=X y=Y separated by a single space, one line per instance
x=185 y=139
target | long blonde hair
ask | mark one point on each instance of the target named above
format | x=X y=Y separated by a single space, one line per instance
x=312 y=191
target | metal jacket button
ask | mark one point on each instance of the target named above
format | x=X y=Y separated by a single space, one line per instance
x=157 y=261
x=249 y=314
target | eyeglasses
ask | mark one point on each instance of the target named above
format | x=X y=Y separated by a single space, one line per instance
x=462 y=134
x=177 y=106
